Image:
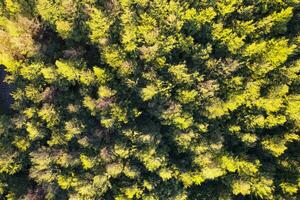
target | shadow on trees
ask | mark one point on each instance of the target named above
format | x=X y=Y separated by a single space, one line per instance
x=5 y=97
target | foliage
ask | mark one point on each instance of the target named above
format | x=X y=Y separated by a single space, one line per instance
x=160 y=99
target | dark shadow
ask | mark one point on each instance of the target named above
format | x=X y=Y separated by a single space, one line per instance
x=5 y=97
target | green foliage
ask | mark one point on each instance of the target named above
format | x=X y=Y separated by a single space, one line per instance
x=241 y=187
x=9 y=164
x=87 y=162
x=149 y=92
x=161 y=99
x=289 y=188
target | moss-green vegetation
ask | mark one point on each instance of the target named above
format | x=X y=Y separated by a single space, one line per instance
x=150 y=99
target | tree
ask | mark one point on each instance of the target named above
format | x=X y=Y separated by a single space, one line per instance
x=161 y=99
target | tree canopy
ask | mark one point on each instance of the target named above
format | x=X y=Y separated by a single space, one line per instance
x=150 y=99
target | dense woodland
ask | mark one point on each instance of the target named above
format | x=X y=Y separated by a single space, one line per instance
x=150 y=99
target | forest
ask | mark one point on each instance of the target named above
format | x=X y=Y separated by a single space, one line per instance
x=149 y=99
